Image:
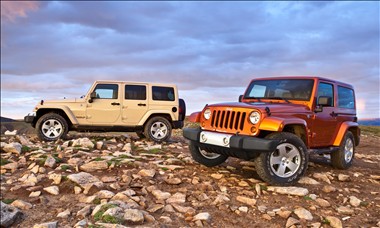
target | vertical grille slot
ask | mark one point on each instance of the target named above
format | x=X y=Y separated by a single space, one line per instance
x=227 y=119
x=217 y=119
x=242 y=121
x=213 y=118
x=237 y=120
x=222 y=119
x=232 y=119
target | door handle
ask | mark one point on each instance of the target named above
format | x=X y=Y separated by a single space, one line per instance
x=141 y=104
x=115 y=103
x=334 y=114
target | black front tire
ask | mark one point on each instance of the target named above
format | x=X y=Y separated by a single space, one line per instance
x=158 y=129
x=204 y=157
x=342 y=159
x=51 y=127
x=287 y=164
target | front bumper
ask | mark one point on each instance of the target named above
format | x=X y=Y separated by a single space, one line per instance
x=245 y=147
x=29 y=118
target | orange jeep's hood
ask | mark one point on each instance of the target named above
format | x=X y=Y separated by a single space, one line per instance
x=274 y=107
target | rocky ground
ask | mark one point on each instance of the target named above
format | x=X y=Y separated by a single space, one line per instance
x=99 y=180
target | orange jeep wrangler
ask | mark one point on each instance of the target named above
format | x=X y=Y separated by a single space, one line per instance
x=278 y=122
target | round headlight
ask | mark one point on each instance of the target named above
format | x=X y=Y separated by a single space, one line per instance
x=254 y=117
x=207 y=114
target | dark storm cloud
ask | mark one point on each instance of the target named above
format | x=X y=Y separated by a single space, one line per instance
x=214 y=46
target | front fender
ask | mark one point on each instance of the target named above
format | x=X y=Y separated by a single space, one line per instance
x=63 y=108
x=278 y=124
x=342 y=131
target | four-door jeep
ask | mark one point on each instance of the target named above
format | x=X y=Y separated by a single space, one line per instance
x=278 y=122
x=151 y=110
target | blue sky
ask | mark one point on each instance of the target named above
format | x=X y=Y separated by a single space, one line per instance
x=211 y=50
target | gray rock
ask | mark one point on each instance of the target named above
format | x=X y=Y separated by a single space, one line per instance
x=343 y=177
x=204 y=216
x=56 y=178
x=133 y=216
x=292 y=222
x=294 y=191
x=173 y=181
x=9 y=215
x=85 y=180
x=322 y=177
x=177 y=198
x=83 y=142
x=302 y=213
x=249 y=201
x=127 y=148
x=46 y=225
x=105 y=194
x=84 y=212
x=94 y=165
x=99 y=145
x=345 y=210
x=50 y=162
x=308 y=180
x=81 y=223
x=64 y=214
x=334 y=222
x=54 y=190
x=355 y=202
x=13 y=148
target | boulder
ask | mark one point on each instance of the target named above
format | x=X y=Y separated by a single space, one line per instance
x=9 y=215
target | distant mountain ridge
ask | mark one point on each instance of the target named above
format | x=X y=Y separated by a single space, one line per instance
x=370 y=122
x=5 y=119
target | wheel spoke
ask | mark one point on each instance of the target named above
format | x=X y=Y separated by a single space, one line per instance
x=292 y=166
x=293 y=153
x=275 y=160
x=282 y=150
x=281 y=170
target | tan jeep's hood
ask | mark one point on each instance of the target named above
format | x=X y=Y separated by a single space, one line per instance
x=274 y=107
x=64 y=101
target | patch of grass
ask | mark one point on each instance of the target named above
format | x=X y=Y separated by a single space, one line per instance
x=65 y=178
x=124 y=156
x=154 y=151
x=95 y=226
x=164 y=168
x=57 y=159
x=325 y=221
x=96 y=201
x=307 y=198
x=263 y=187
x=372 y=130
x=117 y=161
x=111 y=219
x=364 y=203
x=42 y=160
x=8 y=201
x=98 y=215
x=4 y=161
x=25 y=149
x=66 y=167
x=98 y=159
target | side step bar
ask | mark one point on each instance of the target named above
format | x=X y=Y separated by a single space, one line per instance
x=324 y=150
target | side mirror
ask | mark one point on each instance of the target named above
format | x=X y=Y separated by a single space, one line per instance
x=92 y=96
x=322 y=102
x=240 y=98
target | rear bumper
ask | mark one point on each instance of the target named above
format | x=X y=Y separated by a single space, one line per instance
x=178 y=124
x=245 y=147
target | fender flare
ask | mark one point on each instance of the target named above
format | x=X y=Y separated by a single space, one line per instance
x=149 y=113
x=344 y=127
x=63 y=108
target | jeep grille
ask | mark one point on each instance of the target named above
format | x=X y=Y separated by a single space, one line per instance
x=232 y=120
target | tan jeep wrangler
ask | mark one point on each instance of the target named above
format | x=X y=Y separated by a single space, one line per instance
x=151 y=110
x=277 y=123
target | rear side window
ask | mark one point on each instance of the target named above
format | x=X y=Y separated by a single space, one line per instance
x=160 y=93
x=346 y=98
x=106 y=91
x=135 y=92
x=326 y=90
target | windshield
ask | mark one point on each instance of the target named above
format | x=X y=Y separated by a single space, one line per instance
x=282 y=89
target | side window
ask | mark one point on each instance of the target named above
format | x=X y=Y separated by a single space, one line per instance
x=160 y=93
x=106 y=91
x=346 y=98
x=326 y=90
x=135 y=92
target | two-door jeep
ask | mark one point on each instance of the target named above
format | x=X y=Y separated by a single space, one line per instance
x=278 y=122
x=151 y=110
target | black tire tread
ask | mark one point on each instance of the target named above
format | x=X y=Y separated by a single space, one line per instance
x=337 y=157
x=150 y=123
x=198 y=157
x=51 y=115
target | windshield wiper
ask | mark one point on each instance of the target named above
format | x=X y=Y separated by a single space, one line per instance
x=278 y=98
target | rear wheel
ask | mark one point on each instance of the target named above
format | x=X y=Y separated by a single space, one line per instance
x=286 y=164
x=342 y=159
x=205 y=157
x=51 y=127
x=158 y=129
